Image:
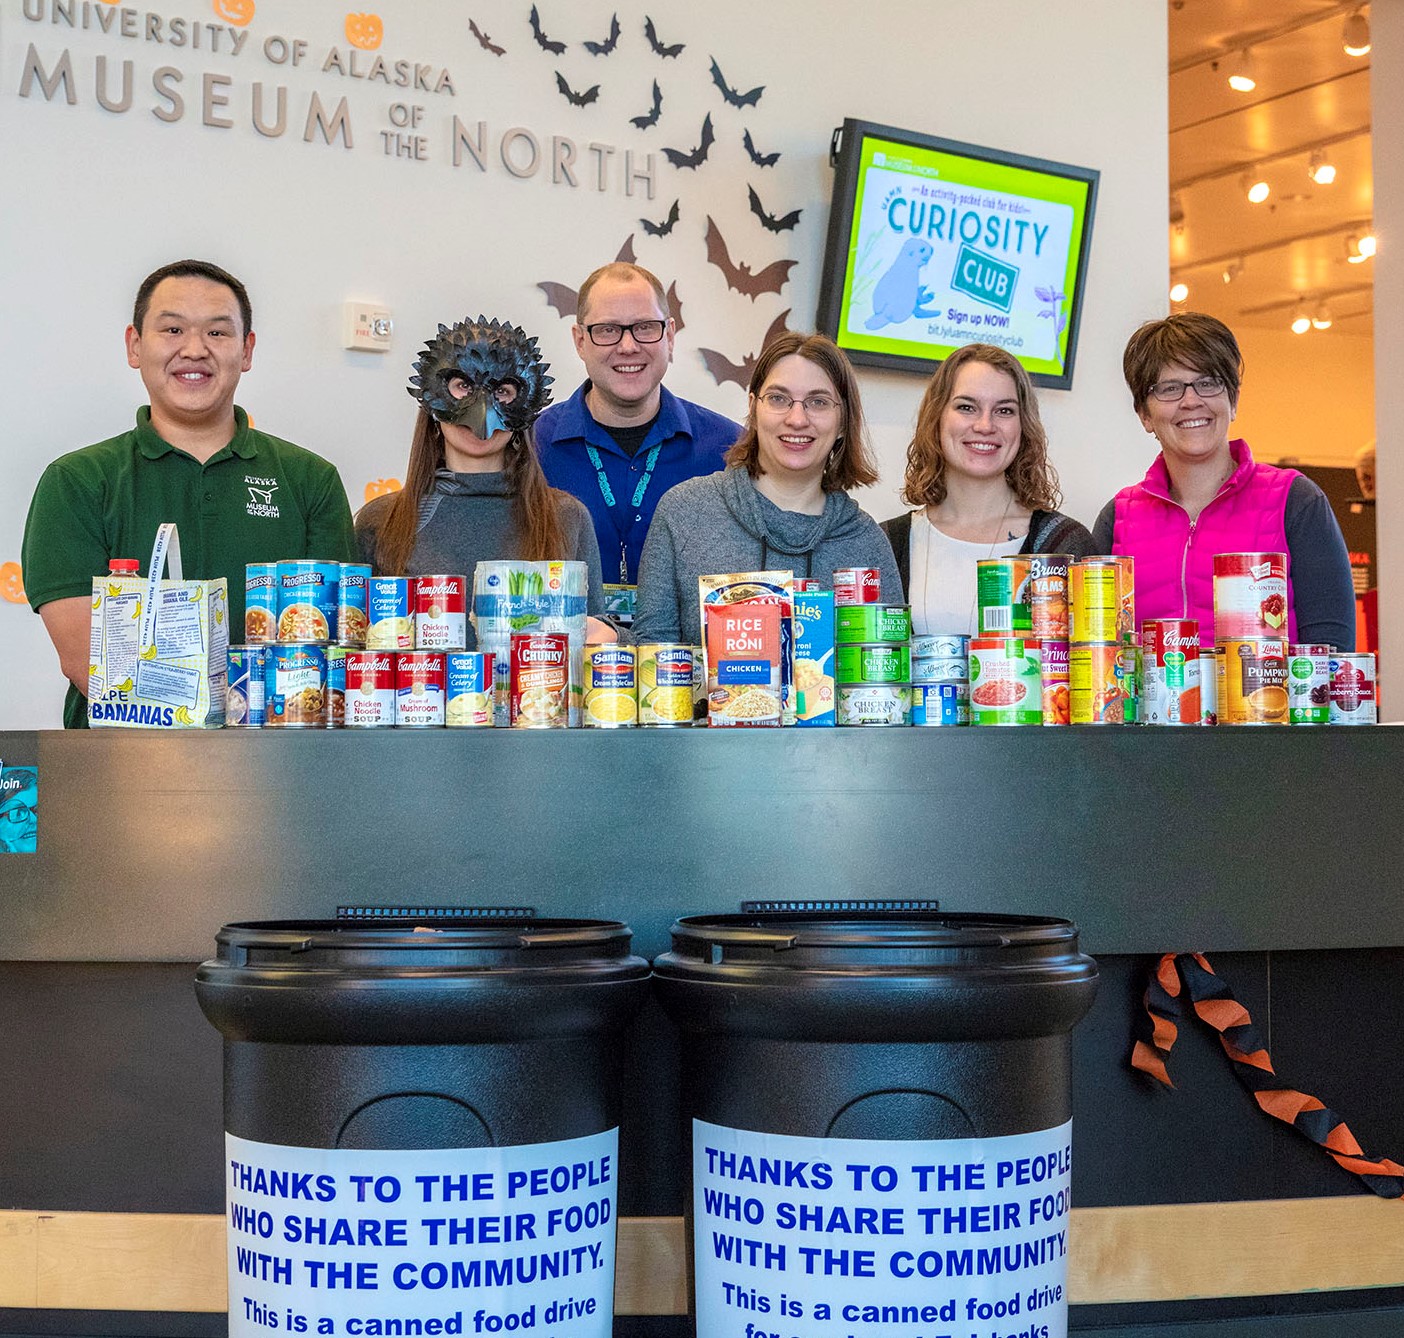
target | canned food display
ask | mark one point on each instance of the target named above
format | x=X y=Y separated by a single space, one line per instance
x=611 y=686
x=307 y=599
x=245 y=687
x=1171 y=672
x=1250 y=596
x=1006 y=681
x=388 y=611
x=857 y=585
x=873 y=704
x=668 y=674
x=872 y=662
x=540 y=680
x=351 y=615
x=370 y=689
x=468 y=689
x=1253 y=681
x=419 y=689
x=296 y=686
x=1309 y=684
x=941 y=704
x=1354 y=696
x=872 y=622
x=1002 y=594
x=440 y=612
x=1101 y=599
x=261 y=602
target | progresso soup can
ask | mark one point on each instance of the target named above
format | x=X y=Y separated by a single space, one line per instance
x=336 y=687
x=296 y=692
x=307 y=595
x=244 y=695
x=351 y=615
x=261 y=602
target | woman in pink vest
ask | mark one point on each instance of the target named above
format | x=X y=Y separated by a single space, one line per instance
x=1205 y=494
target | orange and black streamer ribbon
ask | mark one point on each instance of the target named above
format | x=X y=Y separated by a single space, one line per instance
x=1190 y=974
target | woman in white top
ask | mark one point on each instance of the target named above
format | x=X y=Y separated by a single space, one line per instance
x=978 y=474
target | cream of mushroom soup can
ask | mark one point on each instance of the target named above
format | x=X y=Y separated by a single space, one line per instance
x=419 y=689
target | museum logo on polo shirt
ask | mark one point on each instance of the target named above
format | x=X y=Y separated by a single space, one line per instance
x=261 y=492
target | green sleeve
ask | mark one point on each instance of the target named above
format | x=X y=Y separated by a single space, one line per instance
x=330 y=533
x=65 y=538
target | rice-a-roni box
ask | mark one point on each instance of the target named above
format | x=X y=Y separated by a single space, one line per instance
x=158 y=649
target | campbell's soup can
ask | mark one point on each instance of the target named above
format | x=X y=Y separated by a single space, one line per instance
x=246 y=684
x=857 y=585
x=419 y=689
x=1354 y=698
x=370 y=689
x=390 y=624
x=611 y=686
x=1002 y=595
x=1101 y=599
x=440 y=612
x=1006 y=681
x=1250 y=596
x=1057 y=694
x=1253 y=681
x=539 y=695
x=295 y=693
x=352 y=618
x=307 y=595
x=941 y=703
x=336 y=687
x=1171 y=675
x=1101 y=685
x=261 y=602
x=1209 y=685
x=1309 y=684
x=804 y=584
x=468 y=689
x=667 y=674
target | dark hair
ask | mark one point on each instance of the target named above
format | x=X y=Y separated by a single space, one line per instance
x=1190 y=338
x=1034 y=480
x=536 y=506
x=622 y=272
x=851 y=463
x=191 y=269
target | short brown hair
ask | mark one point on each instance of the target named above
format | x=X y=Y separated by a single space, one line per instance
x=1203 y=343
x=851 y=464
x=191 y=269
x=1034 y=480
x=621 y=271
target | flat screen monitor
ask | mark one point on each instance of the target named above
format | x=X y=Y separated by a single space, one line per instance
x=935 y=244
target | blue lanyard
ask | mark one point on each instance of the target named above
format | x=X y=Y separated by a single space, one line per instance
x=608 y=494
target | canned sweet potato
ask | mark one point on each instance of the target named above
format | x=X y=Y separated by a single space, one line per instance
x=1048 y=596
x=1253 y=681
x=1057 y=695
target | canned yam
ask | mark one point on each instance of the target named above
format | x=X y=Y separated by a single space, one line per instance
x=611 y=686
x=1002 y=592
x=370 y=689
x=540 y=680
x=1253 y=681
x=1006 y=681
x=666 y=674
x=1048 y=596
x=1101 y=599
x=1250 y=596
x=1057 y=696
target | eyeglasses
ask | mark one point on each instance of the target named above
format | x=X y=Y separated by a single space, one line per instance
x=1170 y=391
x=607 y=333
x=19 y=813
x=816 y=406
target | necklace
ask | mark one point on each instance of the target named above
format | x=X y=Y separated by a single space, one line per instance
x=999 y=534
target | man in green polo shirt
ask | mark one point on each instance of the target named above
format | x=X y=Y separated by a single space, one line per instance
x=237 y=495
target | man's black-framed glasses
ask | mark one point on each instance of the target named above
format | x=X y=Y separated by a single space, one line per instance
x=606 y=334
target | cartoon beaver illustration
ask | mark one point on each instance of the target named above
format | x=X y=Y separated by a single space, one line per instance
x=899 y=294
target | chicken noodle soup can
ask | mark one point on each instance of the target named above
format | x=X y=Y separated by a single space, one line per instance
x=244 y=693
x=1171 y=672
x=1253 y=681
x=1101 y=685
x=352 y=618
x=1002 y=593
x=540 y=680
x=1250 y=596
x=667 y=673
x=307 y=595
x=875 y=662
x=857 y=585
x=1101 y=599
x=1006 y=681
x=611 y=686
x=468 y=689
x=1309 y=684
x=440 y=612
x=1354 y=698
x=872 y=622
x=940 y=703
x=1057 y=696
x=388 y=610
x=370 y=689
x=873 y=704
x=336 y=687
x=261 y=602
x=296 y=686
x=419 y=689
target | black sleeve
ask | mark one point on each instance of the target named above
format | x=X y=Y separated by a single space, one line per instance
x=899 y=534
x=1104 y=527
x=1322 y=591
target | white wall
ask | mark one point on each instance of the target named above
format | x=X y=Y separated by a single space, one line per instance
x=93 y=199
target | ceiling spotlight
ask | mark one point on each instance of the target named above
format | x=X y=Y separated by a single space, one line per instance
x=1320 y=170
x=1352 y=250
x=1356 y=35
x=1301 y=322
x=1321 y=317
x=1232 y=270
x=1179 y=291
x=1366 y=245
x=1241 y=76
x=1258 y=189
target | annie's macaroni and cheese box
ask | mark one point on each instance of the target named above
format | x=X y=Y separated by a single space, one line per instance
x=814 y=657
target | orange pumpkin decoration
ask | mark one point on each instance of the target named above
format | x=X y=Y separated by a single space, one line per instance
x=364 y=30
x=11 y=583
x=380 y=487
x=237 y=12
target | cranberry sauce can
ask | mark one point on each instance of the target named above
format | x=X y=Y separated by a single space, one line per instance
x=390 y=626
x=244 y=695
x=296 y=687
x=1250 y=596
x=419 y=689
x=307 y=595
x=1171 y=678
x=261 y=602
x=1309 y=684
x=351 y=613
x=539 y=694
x=440 y=612
x=1354 y=698
x=370 y=689
x=857 y=585
x=468 y=680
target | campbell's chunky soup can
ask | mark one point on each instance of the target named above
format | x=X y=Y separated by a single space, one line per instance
x=370 y=689
x=1354 y=700
x=440 y=612
x=857 y=585
x=296 y=691
x=1101 y=599
x=1006 y=681
x=1253 y=681
x=611 y=686
x=1171 y=672
x=391 y=626
x=419 y=689
x=352 y=618
x=539 y=695
x=1309 y=684
x=468 y=687
x=246 y=684
x=668 y=674
x=1002 y=593
x=1250 y=596
x=307 y=595
x=261 y=602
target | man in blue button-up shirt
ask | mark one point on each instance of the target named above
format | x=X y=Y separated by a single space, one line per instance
x=621 y=441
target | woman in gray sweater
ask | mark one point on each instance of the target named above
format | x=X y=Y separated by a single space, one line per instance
x=780 y=504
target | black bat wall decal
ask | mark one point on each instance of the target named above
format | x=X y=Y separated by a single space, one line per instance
x=698 y=156
x=730 y=94
x=760 y=159
x=591 y=94
x=544 y=42
x=658 y=48
x=566 y=299
x=666 y=226
x=606 y=47
x=738 y=276
x=723 y=369
x=650 y=118
x=770 y=222
x=484 y=40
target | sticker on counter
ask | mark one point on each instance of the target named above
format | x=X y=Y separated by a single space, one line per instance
x=19 y=809
x=452 y=1241
x=830 y=1237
